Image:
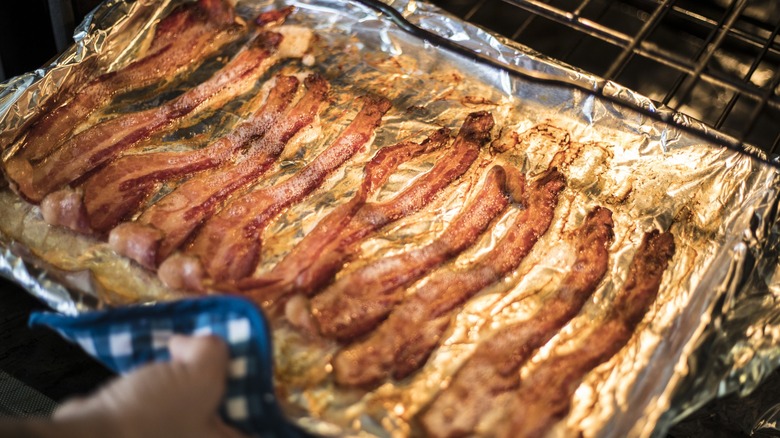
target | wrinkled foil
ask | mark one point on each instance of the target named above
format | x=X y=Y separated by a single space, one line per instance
x=714 y=330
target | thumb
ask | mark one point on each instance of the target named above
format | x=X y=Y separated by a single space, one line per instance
x=205 y=355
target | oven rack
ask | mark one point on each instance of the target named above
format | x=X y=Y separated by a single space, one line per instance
x=717 y=61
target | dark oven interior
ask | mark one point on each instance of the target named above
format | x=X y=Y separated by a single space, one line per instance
x=46 y=25
x=716 y=60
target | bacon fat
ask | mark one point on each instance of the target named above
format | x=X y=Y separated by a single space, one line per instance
x=66 y=209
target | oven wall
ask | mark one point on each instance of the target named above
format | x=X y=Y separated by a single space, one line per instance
x=34 y=31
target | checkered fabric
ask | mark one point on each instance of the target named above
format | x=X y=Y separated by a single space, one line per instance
x=126 y=338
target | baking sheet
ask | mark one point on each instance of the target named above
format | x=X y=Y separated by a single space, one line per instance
x=714 y=328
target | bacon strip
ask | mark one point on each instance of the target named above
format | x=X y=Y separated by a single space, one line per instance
x=358 y=302
x=229 y=243
x=104 y=141
x=180 y=212
x=545 y=395
x=377 y=171
x=275 y=16
x=183 y=272
x=317 y=258
x=493 y=368
x=118 y=189
x=182 y=41
x=405 y=340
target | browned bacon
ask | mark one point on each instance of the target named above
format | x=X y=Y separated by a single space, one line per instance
x=118 y=189
x=101 y=143
x=275 y=16
x=357 y=302
x=316 y=259
x=229 y=243
x=182 y=40
x=544 y=396
x=493 y=368
x=405 y=340
x=178 y=213
x=381 y=166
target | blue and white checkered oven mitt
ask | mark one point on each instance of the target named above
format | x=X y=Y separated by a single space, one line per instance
x=125 y=338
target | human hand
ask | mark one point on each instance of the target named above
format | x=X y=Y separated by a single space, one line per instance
x=171 y=399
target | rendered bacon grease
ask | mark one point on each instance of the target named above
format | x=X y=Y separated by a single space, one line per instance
x=198 y=217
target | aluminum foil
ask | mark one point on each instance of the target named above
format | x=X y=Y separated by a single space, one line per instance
x=714 y=329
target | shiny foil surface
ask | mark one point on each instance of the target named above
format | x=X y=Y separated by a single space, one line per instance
x=714 y=329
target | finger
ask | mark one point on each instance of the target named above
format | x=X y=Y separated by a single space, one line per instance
x=205 y=354
x=221 y=429
x=71 y=408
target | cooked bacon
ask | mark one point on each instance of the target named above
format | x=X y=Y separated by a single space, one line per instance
x=387 y=160
x=64 y=208
x=177 y=214
x=404 y=341
x=229 y=243
x=274 y=16
x=182 y=41
x=104 y=141
x=373 y=216
x=544 y=396
x=381 y=167
x=316 y=259
x=359 y=301
x=118 y=189
x=493 y=368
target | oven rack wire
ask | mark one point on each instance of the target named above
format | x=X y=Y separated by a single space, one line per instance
x=717 y=61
